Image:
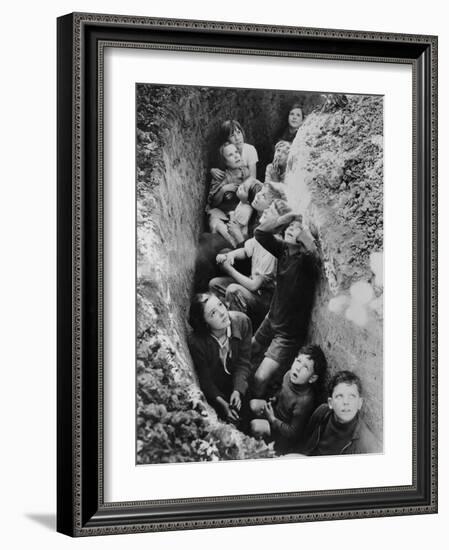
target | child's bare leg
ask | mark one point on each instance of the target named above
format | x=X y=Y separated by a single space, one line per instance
x=222 y=229
x=257 y=407
x=216 y=216
x=260 y=428
x=263 y=375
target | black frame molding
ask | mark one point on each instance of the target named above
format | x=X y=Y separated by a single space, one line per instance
x=81 y=510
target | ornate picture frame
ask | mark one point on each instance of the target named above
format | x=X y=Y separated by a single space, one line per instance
x=82 y=509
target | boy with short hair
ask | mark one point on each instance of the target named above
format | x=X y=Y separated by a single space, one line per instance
x=337 y=427
x=284 y=417
x=285 y=327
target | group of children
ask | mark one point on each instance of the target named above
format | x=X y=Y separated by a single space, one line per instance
x=268 y=383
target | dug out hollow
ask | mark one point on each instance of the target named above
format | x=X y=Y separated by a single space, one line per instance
x=334 y=177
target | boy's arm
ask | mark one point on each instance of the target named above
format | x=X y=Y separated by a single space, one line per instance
x=242 y=363
x=272 y=244
x=294 y=429
x=247 y=282
x=237 y=254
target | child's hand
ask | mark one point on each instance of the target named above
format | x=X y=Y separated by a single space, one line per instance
x=273 y=222
x=235 y=401
x=225 y=259
x=231 y=414
x=269 y=413
x=221 y=258
x=217 y=174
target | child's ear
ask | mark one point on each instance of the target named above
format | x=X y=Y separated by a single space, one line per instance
x=313 y=378
x=329 y=402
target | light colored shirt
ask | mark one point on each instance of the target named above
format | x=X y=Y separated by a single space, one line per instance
x=242 y=213
x=223 y=348
x=262 y=262
x=249 y=154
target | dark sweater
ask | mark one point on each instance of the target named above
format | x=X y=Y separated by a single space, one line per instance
x=296 y=279
x=213 y=379
x=292 y=409
x=322 y=438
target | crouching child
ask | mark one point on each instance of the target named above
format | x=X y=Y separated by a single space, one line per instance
x=284 y=417
x=337 y=427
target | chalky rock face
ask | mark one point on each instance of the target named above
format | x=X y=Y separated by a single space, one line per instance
x=335 y=178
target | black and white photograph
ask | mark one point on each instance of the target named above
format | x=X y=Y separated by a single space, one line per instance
x=259 y=273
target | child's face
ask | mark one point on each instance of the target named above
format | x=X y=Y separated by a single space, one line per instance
x=231 y=156
x=281 y=154
x=262 y=200
x=293 y=231
x=215 y=314
x=302 y=371
x=243 y=191
x=295 y=118
x=345 y=401
x=236 y=138
x=269 y=214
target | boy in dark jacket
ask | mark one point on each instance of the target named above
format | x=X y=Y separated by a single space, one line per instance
x=284 y=417
x=337 y=427
x=284 y=329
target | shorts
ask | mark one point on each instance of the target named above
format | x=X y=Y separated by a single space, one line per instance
x=279 y=347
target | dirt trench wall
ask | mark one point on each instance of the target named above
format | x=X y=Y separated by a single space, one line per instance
x=175 y=131
x=335 y=177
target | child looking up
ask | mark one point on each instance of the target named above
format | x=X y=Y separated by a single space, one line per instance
x=337 y=427
x=285 y=327
x=284 y=417
x=294 y=121
x=240 y=218
x=222 y=197
x=220 y=346
x=275 y=171
x=231 y=131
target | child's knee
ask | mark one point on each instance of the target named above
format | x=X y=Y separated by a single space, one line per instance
x=257 y=406
x=260 y=428
x=264 y=372
x=214 y=224
x=235 y=298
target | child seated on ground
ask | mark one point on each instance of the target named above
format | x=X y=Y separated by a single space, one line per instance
x=222 y=197
x=284 y=417
x=284 y=329
x=210 y=244
x=240 y=218
x=337 y=427
x=275 y=171
x=248 y=294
